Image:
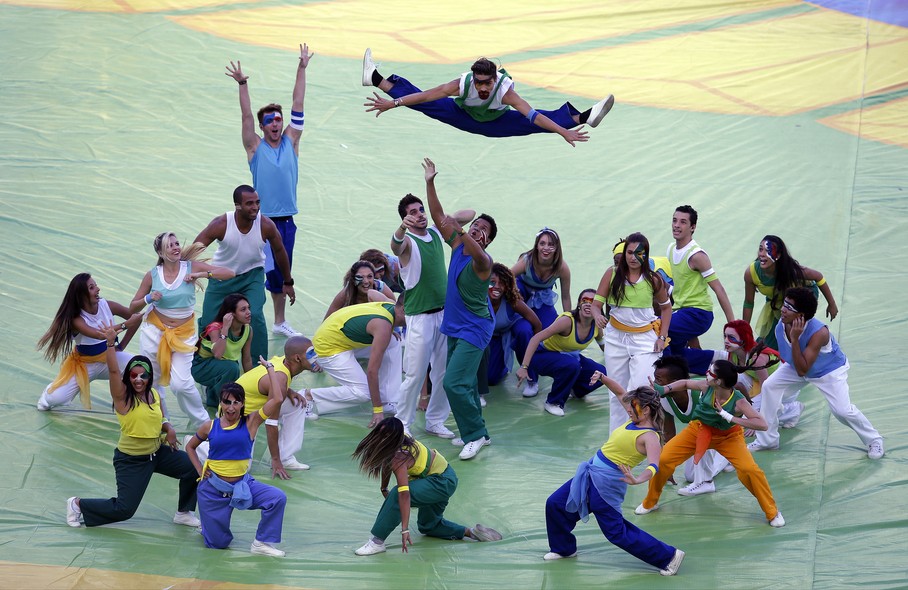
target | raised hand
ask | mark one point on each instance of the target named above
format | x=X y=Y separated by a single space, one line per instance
x=235 y=71
x=305 y=56
x=429 y=167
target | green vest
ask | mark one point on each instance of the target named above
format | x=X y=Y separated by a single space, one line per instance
x=482 y=113
x=234 y=350
x=690 y=286
x=429 y=292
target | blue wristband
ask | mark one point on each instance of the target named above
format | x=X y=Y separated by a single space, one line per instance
x=532 y=115
x=147 y=299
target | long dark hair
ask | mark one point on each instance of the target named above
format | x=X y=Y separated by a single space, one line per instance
x=351 y=292
x=727 y=372
x=648 y=398
x=508 y=284
x=58 y=340
x=622 y=271
x=533 y=254
x=132 y=396
x=238 y=393
x=789 y=272
x=377 y=449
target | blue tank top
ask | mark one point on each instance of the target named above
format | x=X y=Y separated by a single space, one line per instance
x=460 y=321
x=179 y=294
x=229 y=445
x=534 y=290
x=826 y=362
x=505 y=318
x=274 y=176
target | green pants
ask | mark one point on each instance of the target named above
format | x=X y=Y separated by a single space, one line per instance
x=462 y=388
x=252 y=286
x=430 y=496
x=214 y=373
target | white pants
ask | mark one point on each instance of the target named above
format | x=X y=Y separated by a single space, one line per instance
x=711 y=464
x=181 y=382
x=390 y=374
x=629 y=359
x=354 y=386
x=67 y=392
x=785 y=383
x=425 y=344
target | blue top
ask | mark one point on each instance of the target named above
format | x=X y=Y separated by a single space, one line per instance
x=505 y=318
x=535 y=291
x=826 y=362
x=274 y=175
x=460 y=321
x=229 y=445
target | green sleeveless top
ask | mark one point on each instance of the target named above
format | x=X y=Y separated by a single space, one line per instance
x=482 y=113
x=429 y=292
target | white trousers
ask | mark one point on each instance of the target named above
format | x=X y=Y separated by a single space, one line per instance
x=354 y=386
x=629 y=359
x=783 y=387
x=425 y=344
x=67 y=392
x=181 y=382
x=390 y=374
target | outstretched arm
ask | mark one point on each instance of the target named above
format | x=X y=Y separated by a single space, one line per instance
x=380 y=105
x=750 y=292
x=250 y=139
x=511 y=98
x=295 y=128
x=610 y=383
x=444 y=223
x=832 y=309
x=559 y=326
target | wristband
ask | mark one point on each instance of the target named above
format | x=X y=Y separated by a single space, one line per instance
x=209 y=274
x=405 y=532
x=725 y=415
x=377 y=409
x=109 y=345
x=600 y=298
x=147 y=299
x=398 y=102
x=821 y=282
x=653 y=468
x=748 y=305
x=395 y=239
x=401 y=490
x=531 y=116
x=223 y=336
x=288 y=282
x=271 y=422
x=525 y=367
x=242 y=82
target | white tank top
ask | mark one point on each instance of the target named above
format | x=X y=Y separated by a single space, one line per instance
x=96 y=321
x=238 y=251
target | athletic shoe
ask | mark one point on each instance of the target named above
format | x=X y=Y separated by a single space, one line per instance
x=777 y=522
x=284 y=329
x=457 y=442
x=439 y=430
x=875 y=451
x=482 y=400
x=755 y=446
x=371 y=548
x=186 y=519
x=309 y=412
x=553 y=409
x=485 y=534
x=728 y=468
x=73 y=513
x=704 y=487
x=470 y=449
x=389 y=408
x=794 y=421
x=672 y=568
x=368 y=67
x=292 y=464
x=259 y=548
x=552 y=556
x=42 y=404
x=531 y=389
x=599 y=111
x=640 y=510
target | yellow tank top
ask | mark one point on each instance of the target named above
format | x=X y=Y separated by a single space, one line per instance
x=341 y=332
x=621 y=446
x=422 y=453
x=140 y=429
x=570 y=343
x=250 y=383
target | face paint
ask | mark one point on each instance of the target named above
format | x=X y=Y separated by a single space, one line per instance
x=771 y=249
x=271 y=117
x=358 y=280
x=640 y=254
x=638 y=409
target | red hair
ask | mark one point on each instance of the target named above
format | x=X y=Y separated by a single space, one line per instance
x=744 y=331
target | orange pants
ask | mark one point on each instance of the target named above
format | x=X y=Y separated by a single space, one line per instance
x=730 y=445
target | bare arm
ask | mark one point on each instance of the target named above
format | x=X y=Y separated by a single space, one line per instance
x=380 y=105
x=610 y=383
x=832 y=310
x=276 y=387
x=750 y=291
x=602 y=294
x=381 y=336
x=299 y=96
x=336 y=303
x=403 y=500
x=138 y=301
x=281 y=260
x=247 y=352
x=523 y=309
x=250 y=139
x=665 y=309
x=700 y=262
x=647 y=444
x=751 y=418
x=215 y=230
x=565 y=280
x=193 y=444
x=464 y=216
x=441 y=221
x=803 y=359
x=511 y=98
x=562 y=326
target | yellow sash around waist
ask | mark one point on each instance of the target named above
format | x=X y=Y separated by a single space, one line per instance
x=172 y=340
x=655 y=326
x=74 y=366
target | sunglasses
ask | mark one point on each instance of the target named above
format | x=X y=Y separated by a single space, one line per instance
x=789 y=307
x=144 y=375
x=231 y=402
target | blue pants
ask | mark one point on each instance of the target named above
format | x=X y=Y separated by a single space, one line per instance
x=430 y=495
x=133 y=475
x=274 y=279
x=560 y=523
x=462 y=388
x=698 y=361
x=251 y=285
x=496 y=361
x=687 y=323
x=215 y=512
x=510 y=124
x=569 y=372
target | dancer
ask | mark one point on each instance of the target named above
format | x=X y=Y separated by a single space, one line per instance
x=772 y=274
x=536 y=271
x=634 y=336
x=468 y=321
x=168 y=334
x=600 y=484
x=225 y=482
x=424 y=481
x=812 y=355
x=483 y=102
x=358 y=282
x=139 y=452
x=556 y=352
x=223 y=345
x=274 y=163
x=77 y=335
x=716 y=421
x=387 y=268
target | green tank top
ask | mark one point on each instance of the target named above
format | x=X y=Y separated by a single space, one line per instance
x=474 y=292
x=690 y=286
x=234 y=350
x=482 y=113
x=706 y=413
x=345 y=329
x=638 y=296
x=429 y=292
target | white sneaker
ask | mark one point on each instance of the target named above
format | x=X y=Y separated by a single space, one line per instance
x=389 y=408
x=485 y=534
x=284 y=329
x=531 y=389
x=309 y=412
x=876 y=451
x=777 y=522
x=73 y=513
x=371 y=548
x=292 y=464
x=640 y=510
x=600 y=110
x=368 y=67
x=553 y=409
x=482 y=401
x=186 y=519
x=794 y=421
x=755 y=447
x=672 y=568
x=470 y=449
x=439 y=430
x=704 y=487
x=552 y=556
x=259 y=548
x=457 y=442
x=42 y=404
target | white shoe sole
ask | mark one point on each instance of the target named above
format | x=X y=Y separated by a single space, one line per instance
x=368 y=67
x=600 y=110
